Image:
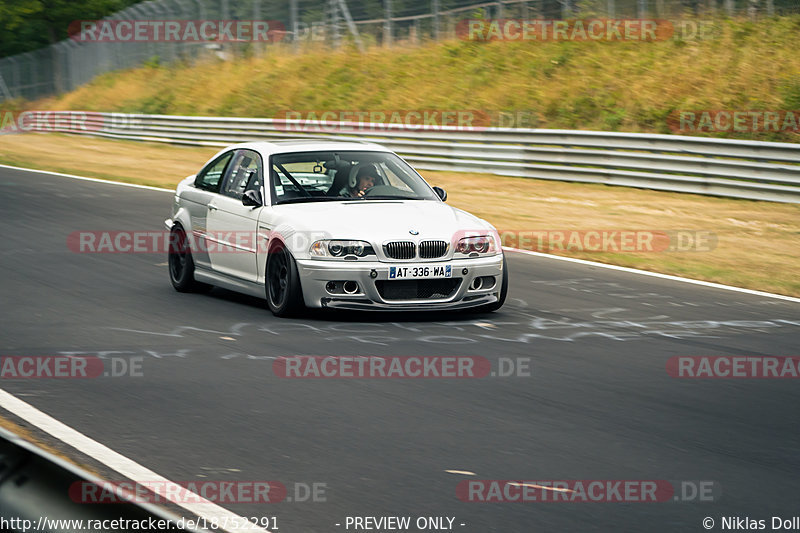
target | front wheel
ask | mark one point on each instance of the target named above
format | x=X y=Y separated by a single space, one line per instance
x=284 y=295
x=181 y=264
x=488 y=308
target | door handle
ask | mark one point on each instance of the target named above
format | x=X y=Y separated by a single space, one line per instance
x=212 y=207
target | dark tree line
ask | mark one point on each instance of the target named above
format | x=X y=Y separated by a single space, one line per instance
x=30 y=24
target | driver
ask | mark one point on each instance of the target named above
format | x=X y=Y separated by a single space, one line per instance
x=366 y=178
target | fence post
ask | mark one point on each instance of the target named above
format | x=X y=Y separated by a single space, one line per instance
x=15 y=75
x=69 y=64
x=166 y=13
x=4 y=89
x=58 y=75
x=202 y=9
x=31 y=75
x=185 y=15
x=436 y=20
x=107 y=61
x=293 y=24
x=729 y=7
x=387 y=26
x=257 y=47
x=139 y=12
x=333 y=22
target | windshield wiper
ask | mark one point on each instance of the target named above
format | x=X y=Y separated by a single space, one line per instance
x=389 y=197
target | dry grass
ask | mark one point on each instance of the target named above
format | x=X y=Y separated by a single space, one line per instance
x=758 y=242
x=608 y=86
x=154 y=164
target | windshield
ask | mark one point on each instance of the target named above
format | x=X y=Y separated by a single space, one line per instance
x=344 y=176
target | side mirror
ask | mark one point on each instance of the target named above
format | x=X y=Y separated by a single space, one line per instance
x=441 y=193
x=252 y=198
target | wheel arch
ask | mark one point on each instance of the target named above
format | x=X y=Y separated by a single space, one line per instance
x=297 y=297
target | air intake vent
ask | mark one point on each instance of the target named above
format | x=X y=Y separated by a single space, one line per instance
x=432 y=249
x=417 y=289
x=400 y=250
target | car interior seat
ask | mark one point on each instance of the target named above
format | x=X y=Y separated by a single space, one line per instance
x=343 y=170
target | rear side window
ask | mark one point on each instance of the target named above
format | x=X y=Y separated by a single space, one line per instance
x=208 y=179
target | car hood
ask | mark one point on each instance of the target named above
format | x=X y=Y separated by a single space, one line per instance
x=378 y=221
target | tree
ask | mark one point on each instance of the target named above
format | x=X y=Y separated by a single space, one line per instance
x=26 y=25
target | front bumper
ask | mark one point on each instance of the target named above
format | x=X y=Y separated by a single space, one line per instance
x=315 y=276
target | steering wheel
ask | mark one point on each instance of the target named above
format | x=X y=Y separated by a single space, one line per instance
x=366 y=191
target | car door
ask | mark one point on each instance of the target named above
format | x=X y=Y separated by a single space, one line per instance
x=196 y=200
x=232 y=226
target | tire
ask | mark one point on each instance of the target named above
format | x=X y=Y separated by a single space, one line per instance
x=181 y=264
x=282 y=281
x=488 y=308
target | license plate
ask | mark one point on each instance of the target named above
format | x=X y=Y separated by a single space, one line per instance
x=420 y=271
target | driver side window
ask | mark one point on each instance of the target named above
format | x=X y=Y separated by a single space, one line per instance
x=244 y=175
x=208 y=179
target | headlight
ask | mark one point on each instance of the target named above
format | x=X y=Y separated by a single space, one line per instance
x=341 y=249
x=335 y=249
x=484 y=244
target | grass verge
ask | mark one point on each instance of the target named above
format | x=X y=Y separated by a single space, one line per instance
x=734 y=64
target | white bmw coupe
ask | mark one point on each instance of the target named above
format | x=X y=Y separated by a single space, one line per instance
x=330 y=224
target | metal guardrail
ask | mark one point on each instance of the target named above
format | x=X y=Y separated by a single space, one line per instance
x=753 y=170
x=36 y=494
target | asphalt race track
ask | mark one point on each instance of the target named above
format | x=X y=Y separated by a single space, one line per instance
x=598 y=405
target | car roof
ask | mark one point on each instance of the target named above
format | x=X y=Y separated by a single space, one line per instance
x=307 y=145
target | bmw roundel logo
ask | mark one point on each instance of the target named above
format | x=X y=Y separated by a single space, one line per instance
x=413 y=232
